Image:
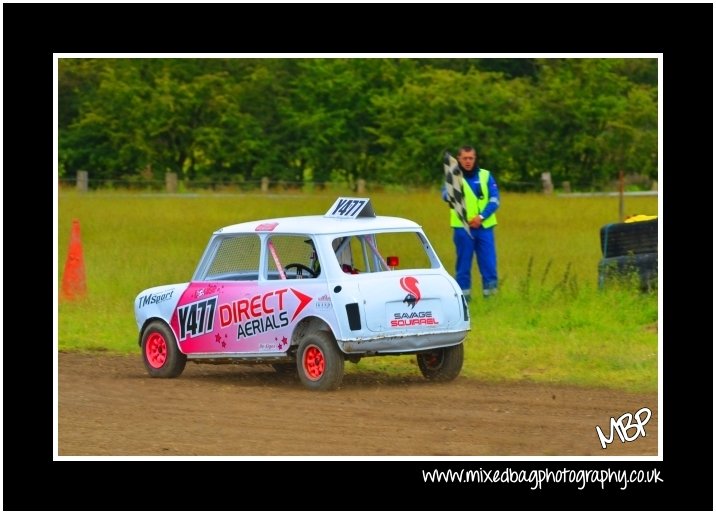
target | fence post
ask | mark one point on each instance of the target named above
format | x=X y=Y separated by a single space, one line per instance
x=621 y=196
x=361 y=186
x=566 y=187
x=547 y=186
x=171 y=182
x=264 y=185
x=82 y=181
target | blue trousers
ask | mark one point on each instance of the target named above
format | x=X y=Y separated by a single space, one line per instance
x=483 y=246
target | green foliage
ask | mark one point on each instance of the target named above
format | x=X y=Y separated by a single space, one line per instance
x=442 y=109
x=549 y=322
x=601 y=122
x=384 y=120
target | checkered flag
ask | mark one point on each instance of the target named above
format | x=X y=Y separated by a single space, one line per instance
x=453 y=183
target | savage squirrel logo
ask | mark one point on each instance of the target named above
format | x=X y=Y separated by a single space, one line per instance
x=410 y=284
x=409 y=319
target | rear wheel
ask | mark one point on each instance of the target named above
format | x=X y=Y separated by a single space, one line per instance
x=160 y=352
x=320 y=362
x=441 y=364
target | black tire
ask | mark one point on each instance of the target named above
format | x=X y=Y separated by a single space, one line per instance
x=441 y=364
x=644 y=267
x=629 y=238
x=160 y=352
x=319 y=362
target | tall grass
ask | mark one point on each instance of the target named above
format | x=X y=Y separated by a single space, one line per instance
x=549 y=322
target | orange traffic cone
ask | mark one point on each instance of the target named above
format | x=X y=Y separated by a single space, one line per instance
x=74 y=285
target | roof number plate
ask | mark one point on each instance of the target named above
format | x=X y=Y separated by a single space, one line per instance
x=351 y=208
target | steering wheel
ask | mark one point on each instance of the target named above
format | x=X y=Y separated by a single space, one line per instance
x=300 y=267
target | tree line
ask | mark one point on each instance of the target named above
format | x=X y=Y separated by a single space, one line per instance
x=385 y=120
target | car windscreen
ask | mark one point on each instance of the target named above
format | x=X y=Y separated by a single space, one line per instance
x=236 y=258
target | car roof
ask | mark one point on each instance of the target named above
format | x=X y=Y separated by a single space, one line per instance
x=320 y=225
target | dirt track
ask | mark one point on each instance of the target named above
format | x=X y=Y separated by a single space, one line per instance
x=108 y=406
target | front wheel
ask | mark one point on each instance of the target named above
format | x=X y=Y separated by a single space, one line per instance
x=160 y=352
x=320 y=362
x=441 y=364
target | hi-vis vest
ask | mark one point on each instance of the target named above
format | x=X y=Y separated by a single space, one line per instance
x=473 y=204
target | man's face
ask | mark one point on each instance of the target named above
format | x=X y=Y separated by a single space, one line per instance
x=467 y=160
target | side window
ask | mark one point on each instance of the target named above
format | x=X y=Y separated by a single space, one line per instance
x=355 y=255
x=291 y=257
x=408 y=247
x=237 y=258
x=372 y=253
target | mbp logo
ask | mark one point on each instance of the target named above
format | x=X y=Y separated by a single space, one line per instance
x=623 y=425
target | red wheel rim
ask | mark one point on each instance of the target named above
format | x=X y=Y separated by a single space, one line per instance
x=433 y=360
x=156 y=350
x=314 y=363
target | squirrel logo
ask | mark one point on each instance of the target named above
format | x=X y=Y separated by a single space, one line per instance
x=410 y=284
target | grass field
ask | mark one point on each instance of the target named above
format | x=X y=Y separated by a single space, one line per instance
x=549 y=323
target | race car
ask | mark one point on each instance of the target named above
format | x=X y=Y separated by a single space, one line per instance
x=307 y=293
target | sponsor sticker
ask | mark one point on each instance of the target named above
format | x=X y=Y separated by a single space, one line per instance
x=262 y=312
x=266 y=227
x=412 y=319
x=151 y=299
